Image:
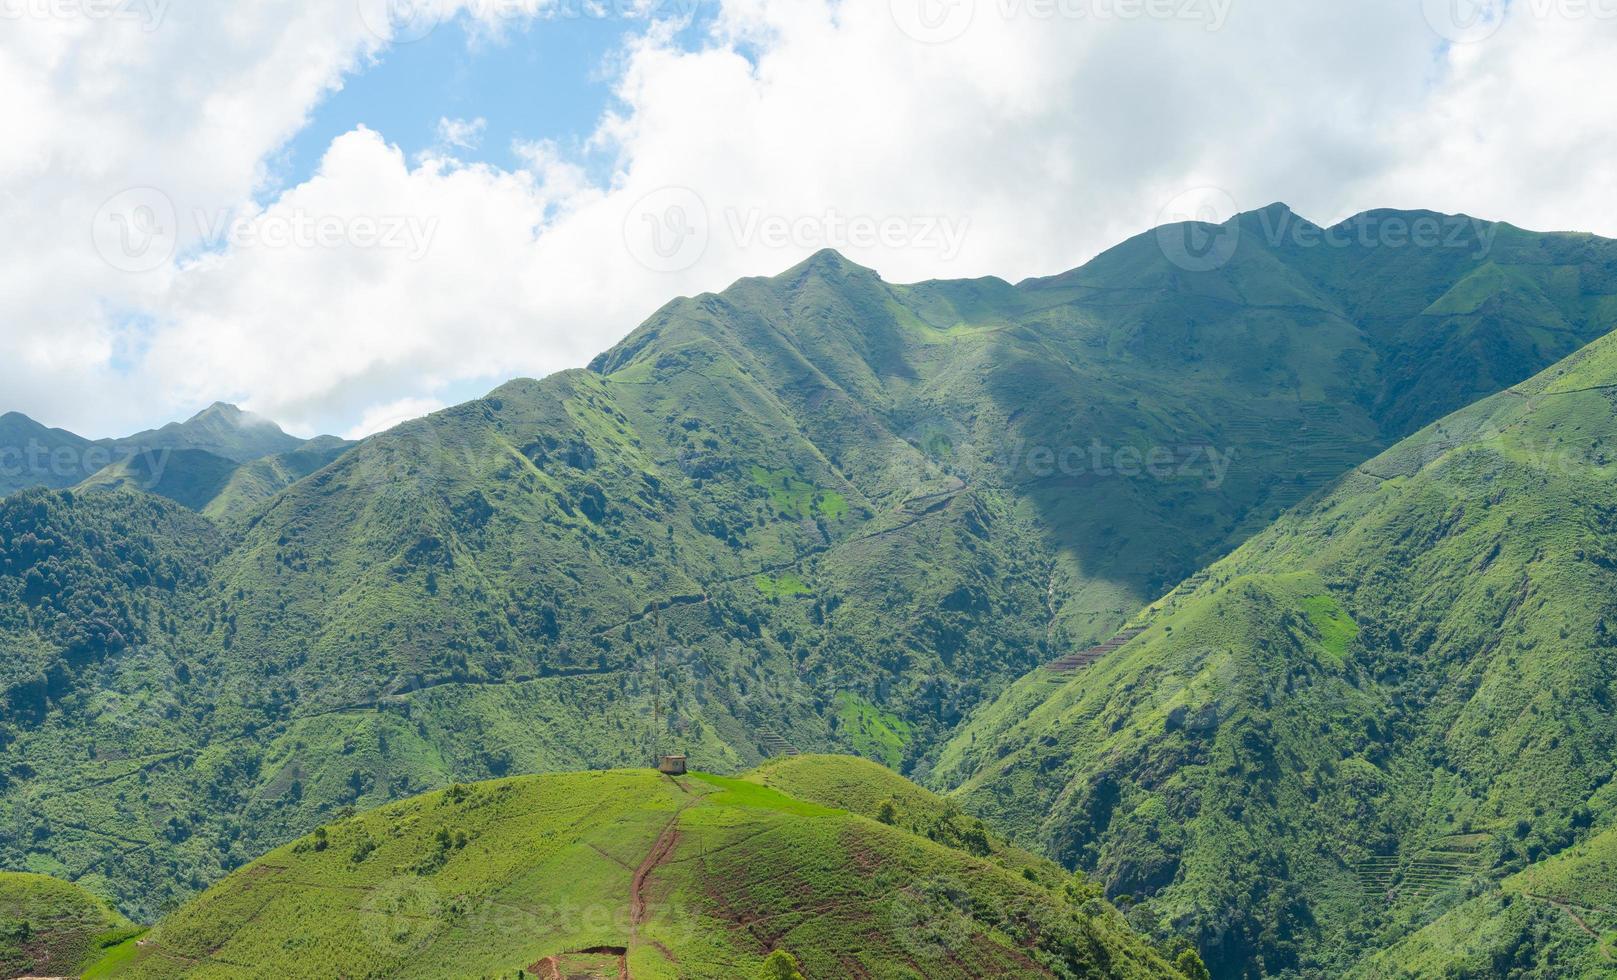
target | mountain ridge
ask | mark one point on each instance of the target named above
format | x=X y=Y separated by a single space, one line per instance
x=818 y=510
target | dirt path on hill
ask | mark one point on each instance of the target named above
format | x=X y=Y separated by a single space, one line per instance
x=664 y=846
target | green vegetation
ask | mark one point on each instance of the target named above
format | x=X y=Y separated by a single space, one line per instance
x=968 y=479
x=781 y=586
x=874 y=733
x=1392 y=700
x=223 y=461
x=592 y=873
x=1557 y=918
x=791 y=495
x=51 y=928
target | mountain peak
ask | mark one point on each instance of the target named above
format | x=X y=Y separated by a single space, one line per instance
x=829 y=260
x=222 y=411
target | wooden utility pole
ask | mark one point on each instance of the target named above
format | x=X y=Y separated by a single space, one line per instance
x=656 y=689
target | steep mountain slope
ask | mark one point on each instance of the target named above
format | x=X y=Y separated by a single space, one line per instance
x=1402 y=686
x=611 y=874
x=52 y=928
x=1556 y=919
x=818 y=511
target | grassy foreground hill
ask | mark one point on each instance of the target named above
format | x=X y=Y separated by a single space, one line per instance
x=630 y=873
x=818 y=511
x=52 y=928
x=1394 y=695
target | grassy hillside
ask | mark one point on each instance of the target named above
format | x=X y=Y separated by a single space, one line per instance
x=1557 y=918
x=52 y=928
x=1394 y=692
x=587 y=875
x=817 y=512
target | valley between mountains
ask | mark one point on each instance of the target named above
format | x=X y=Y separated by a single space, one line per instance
x=1265 y=613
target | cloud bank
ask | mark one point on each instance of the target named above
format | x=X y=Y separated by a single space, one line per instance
x=149 y=267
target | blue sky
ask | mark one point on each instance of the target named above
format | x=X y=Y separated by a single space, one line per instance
x=549 y=79
x=1042 y=133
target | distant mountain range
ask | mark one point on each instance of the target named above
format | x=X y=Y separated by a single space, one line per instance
x=1319 y=640
x=221 y=458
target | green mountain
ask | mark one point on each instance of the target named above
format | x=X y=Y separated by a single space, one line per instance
x=1388 y=700
x=222 y=460
x=220 y=488
x=818 y=512
x=221 y=429
x=52 y=928
x=32 y=455
x=610 y=874
x=1555 y=919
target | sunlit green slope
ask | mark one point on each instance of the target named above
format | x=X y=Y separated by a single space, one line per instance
x=51 y=928
x=589 y=875
x=1557 y=918
x=1400 y=688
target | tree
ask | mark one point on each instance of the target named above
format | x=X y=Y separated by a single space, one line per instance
x=781 y=965
x=1189 y=963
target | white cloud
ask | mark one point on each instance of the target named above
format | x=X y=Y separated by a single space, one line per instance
x=462 y=134
x=380 y=418
x=1042 y=133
